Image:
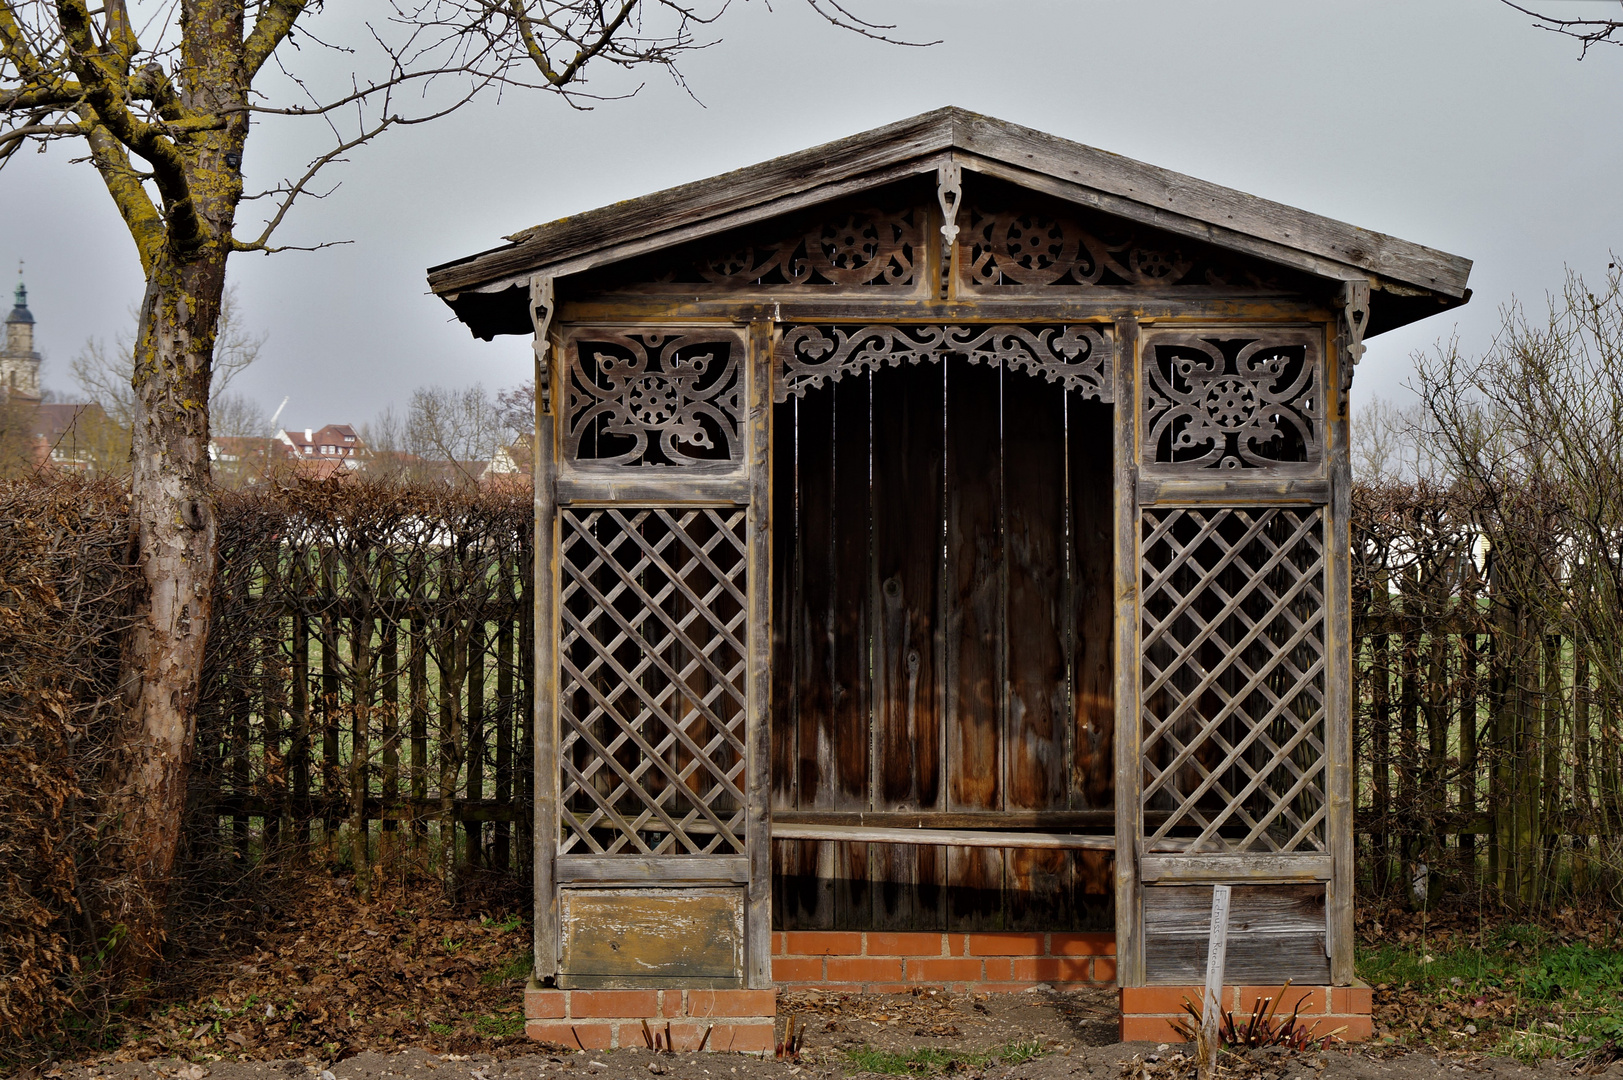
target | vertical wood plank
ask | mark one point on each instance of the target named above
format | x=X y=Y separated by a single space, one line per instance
x=787 y=883
x=417 y=695
x=501 y=840
x=331 y=796
x=973 y=619
x=758 y=769
x=813 y=634
x=1338 y=733
x=474 y=829
x=1129 y=815
x=360 y=832
x=852 y=689
x=906 y=500
x=389 y=679
x=1089 y=437
x=544 y=703
x=1038 y=880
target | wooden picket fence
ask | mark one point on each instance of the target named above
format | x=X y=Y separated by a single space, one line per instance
x=369 y=676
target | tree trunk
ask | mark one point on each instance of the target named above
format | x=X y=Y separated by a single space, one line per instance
x=174 y=534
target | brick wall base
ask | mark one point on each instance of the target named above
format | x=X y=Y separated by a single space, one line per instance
x=887 y=963
x=738 y=1020
x=1147 y=1012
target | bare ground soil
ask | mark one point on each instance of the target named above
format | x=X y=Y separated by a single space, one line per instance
x=1071 y=1034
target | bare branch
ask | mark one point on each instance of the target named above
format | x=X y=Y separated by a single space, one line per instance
x=1587 y=31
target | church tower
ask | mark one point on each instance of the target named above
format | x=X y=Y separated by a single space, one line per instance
x=19 y=363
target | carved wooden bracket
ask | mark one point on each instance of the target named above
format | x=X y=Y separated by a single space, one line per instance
x=1075 y=356
x=949 y=191
x=1354 y=321
x=542 y=309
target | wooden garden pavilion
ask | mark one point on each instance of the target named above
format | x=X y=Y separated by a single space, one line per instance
x=943 y=531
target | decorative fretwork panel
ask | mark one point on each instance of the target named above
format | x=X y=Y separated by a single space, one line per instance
x=654 y=399
x=1233 y=678
x=652 y=659
x=1011 y=239
x=1076 y=357
x=851 y=244
x=1234 y=400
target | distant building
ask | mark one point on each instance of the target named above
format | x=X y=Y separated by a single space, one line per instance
x=335 y=442
x=78 y=437
x=19 y=363
x=510 y=466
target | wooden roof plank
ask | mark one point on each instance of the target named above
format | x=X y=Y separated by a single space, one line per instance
x=1083 y=174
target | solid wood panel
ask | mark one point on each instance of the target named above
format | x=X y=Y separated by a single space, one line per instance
x=1266 y=959
x=653 y=933
x=1037 y=640
x=811 y=536
x=851 y=692
x=948 y=819
x=906 y=499
x=1089 y=441
x=973 y=618
x=1186 y=910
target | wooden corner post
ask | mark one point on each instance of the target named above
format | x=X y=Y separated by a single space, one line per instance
x=544 y=590
x=1129 y=825
x=758 y=771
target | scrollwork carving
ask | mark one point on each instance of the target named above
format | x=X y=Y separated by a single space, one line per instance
x=1076 y=357
x=654 y=399
x=1224 y=402
x=865 y=246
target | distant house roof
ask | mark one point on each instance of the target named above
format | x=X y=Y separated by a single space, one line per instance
x=333 y=441
x=489 y=291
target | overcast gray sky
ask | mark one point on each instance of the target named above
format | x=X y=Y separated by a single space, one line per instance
x=1452 y=123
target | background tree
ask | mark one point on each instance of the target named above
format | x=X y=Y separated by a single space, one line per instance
x=163 y=97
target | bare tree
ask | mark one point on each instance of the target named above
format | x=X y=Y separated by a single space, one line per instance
x=104 y=373
x=163 y=97
x=462 y=428
x=1533 y=429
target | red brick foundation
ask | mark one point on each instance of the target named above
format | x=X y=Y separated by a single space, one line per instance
x=1147 y=1012
x=738 y=1020
x=883 y=963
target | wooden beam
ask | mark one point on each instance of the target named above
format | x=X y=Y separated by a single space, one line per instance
x=653 y=870
x=758 y=737
x=1129 y=772
x=1241 y=868
x=980 y=838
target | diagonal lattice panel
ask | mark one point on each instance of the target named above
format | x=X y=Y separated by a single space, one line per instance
x=652 y=662
x=1232 y=669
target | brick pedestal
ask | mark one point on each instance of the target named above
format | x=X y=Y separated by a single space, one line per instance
x=887 y=963
x=1147 y=1012
x=738 y=1020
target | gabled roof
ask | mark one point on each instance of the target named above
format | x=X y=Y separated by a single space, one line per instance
x=1405 y=272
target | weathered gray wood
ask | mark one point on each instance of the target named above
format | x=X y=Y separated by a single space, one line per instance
x=1265 y=959
x=1242 y=868
x=1129 y=772
x=976 y=838
x=653 y=869
x=709 y=207
x=1097 y=305
x=1118 y=185
x=1251 y=491
x=671 y=491
x=1217 y=941
x=545 y=724
x=758 y=756
x=951 y=819
x=1338 y=734
x=1185 y=910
